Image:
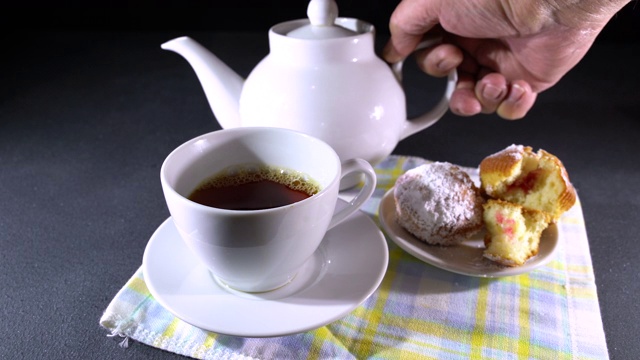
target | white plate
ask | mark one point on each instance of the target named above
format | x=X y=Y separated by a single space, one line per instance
x=465 y=258
x=345 y=270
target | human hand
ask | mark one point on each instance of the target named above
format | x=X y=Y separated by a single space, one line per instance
x=505 y=52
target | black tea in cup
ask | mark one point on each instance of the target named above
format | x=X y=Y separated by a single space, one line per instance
x=254 y=187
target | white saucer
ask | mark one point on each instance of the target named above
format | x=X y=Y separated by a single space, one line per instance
x=345 y=270
x=465 y=258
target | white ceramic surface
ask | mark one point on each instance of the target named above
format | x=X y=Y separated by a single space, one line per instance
x=258 y=250
x=465 y=258
x=336 y=89
x=345 y=270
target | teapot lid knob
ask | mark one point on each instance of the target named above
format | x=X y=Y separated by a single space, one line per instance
x=322 y=12
x=322 y=15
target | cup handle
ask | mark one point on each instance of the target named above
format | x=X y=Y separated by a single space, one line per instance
x=429 y=118
x=349 y=167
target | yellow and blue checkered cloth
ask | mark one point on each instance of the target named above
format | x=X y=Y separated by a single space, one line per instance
x=418 y=312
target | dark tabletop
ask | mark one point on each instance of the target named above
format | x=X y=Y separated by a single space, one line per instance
x=86 y=119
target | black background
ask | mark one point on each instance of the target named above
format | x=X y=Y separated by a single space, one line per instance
x=248 y=15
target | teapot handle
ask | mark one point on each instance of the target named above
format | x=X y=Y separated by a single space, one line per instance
x=430 y=117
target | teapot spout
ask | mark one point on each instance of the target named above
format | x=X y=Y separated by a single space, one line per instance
x=221 y=84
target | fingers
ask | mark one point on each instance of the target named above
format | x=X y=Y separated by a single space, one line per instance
x=478 y=90
x=409 y=22
x=491 y=94
x=399 y=47
x=463 y=101
x=440 y=60
x=518 y=102
x=490 y=91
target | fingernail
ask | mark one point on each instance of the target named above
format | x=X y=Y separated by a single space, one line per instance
x=445 y=65
x=492 y=92
x=516 y=93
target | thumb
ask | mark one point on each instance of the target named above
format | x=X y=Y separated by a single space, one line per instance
x=409 y=22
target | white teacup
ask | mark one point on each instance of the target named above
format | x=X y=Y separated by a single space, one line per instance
x=258 y=250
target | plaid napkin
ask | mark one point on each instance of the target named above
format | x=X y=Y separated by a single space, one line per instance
x=419 y=311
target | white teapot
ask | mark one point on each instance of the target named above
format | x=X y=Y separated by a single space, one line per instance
x=321 y=77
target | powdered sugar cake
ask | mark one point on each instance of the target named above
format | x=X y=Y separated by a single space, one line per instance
x=438 y=203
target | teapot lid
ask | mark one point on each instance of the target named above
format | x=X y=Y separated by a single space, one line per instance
x=322 y=15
